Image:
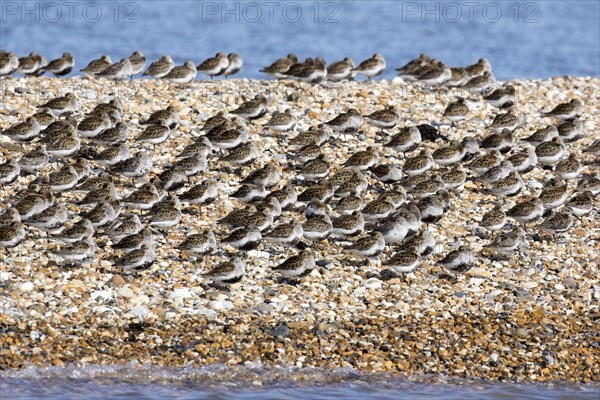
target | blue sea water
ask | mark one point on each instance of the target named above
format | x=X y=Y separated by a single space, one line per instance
x=522 y=39
x=249 y=383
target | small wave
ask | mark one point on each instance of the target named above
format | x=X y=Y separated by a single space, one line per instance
x=256 y=381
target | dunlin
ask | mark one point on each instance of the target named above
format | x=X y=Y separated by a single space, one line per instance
x=554 y=194
x=502 y=97
x=113 y=155
x=81 y=230
x=23 y=131
x=64 y=179
x=394 y=229
x=422 y=243
x=407 y=139
x=570 y=131
x=459 y=261
x=285 y=234
x=161 y=67
x=508 y=243
x=297 y=266
x=566 y=111
x=139 y=259
x=214 y=66
x=387 y=173
x=479 y=68
x=111 y=136
x=505 y=121
x=581 y=204
x=135 y=241
x=569 y=167
x=61 y=66
x=384 y=119
x=235 y=65
x=128 y=225
x=168 y=117
x=280 y=67
x=403 y=261
x=282 y=122
x=550 y=153
x=9 y=62
x=98 y=65
x=456 y=111
x=557 y=223
x=320 y=191
x=418 y=164
x=31 y=64
x=526 y=211
x=138 y=62
x=243 y=238
x=228 y=272
x=199 y=244
x=242 y=155
x=340 y=70
x=369 y=246
x=117 y=71
x=62 y=105
x=182 y=74
x=493 y=220
x=51 y=218
x=371 y=67
x=252 y=109
x=202 y=193
x=542 y=135
x=364 y=159
x=349 y=225
x=9 y=171
x=317 y=228
x=479 y=83
x=77 y=252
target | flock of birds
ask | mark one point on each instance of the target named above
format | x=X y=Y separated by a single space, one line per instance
x=423 y=69
x=122 y=203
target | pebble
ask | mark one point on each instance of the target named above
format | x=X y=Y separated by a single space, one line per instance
x=282 y=331
x=101 y=295
x=529 y=285
x=139 y=312
x=373 y=283
x=389 y=329
x=221 y=305
x=181 y=293
x=117 y=280
x=125 y=292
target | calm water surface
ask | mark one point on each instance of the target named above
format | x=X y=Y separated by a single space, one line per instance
x=522 y=39
x=220 y=382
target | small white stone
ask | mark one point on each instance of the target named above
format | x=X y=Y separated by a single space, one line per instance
x=101 y=295
x=221 y=305
x=373 y=283
x=204 y=311
x=125 y=291
x=143 y=299
x=528 y=285
x=26 y=286
x=476 y=281
x=139 y=312
x=180 y=293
